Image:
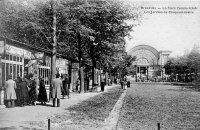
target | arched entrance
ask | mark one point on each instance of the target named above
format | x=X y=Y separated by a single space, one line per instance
x=146 y=61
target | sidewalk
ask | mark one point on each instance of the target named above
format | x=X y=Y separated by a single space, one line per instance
x=26 y=117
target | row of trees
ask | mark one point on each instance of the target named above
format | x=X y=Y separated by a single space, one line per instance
x=185 y=68
x=89 y=31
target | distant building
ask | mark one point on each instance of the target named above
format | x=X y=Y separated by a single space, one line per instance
x=149 y=62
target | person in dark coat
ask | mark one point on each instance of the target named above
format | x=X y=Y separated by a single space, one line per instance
x=65 y=87
x=19 y=100
x=32 y=91
x=103 y=82
x=128 y=84
x=42 y=96
x=22 y=92
x=122 y=83
x=25 y=83
x=78 y=85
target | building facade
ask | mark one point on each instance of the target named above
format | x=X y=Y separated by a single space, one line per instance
x=149 y=62
x=19 y=59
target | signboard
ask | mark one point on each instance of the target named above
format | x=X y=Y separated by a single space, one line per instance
x=1 y=47
x=13 y=50
x=39 y=55
x=21 y=52
x=61 y=62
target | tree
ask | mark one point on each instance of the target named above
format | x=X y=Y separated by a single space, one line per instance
x=185 y=65
x=71 y=27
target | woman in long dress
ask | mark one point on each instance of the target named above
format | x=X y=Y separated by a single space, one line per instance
x=10 y=94
x=26 y=82
x=42 y=96
x=32 y=91
x=20 y=97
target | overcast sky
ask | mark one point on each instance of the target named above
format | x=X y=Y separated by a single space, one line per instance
x=173 y=32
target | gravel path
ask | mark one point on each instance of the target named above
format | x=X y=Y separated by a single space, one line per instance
x=174 y=107
x=35 y=117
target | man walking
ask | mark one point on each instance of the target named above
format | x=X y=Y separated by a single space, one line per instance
x=57 y=86
x=103 y=82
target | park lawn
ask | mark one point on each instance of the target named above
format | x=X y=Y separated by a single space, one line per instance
x=90 y=114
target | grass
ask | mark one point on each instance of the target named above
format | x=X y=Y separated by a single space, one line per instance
x=91 y=113
x=146 y=105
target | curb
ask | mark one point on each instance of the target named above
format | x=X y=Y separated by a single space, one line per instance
x=112 y=120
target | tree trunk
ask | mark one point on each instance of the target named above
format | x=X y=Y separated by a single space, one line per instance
x=53 y=65
x=53 y=59
x=81 y=75
x=93 y=71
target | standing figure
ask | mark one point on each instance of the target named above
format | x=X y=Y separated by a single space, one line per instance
x=65 y=87
x=32 y=91
x=57 y=86
x=128 y=84
x=42 y=96
x=10 y=94
x=122 y=83
x=26 y=83
x=21 y=92
x=109 y=81
x=78 y=85
x=125 y=83
x=103 y=82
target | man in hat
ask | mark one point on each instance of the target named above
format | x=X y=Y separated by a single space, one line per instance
x=103 y=81
x=57 y=86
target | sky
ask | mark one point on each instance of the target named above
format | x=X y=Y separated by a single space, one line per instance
x=167 y=32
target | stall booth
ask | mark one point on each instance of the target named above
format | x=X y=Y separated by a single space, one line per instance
x=19 y=59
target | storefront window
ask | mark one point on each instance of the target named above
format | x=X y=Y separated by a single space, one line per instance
x=14 y=71
x=10 y=57
x=18 y=59
x=3 y=74
x=44 y=73
x=14 y=58
x=7 y=71
x=7 y=57
x=11 y=72
x=18 y=74
x=21 y=70
x=12 y=66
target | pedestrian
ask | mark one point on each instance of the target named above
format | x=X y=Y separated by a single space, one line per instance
x=103 y=81
x=125 y=84
x=65 y=83
x=10 y=94
x=109 y=81
x=57 y=86
x=122 y=83
x=26 y=82
x=78 y=85
x=42 y=96
x=21 y=92
x=128 y=84
x=32 y=91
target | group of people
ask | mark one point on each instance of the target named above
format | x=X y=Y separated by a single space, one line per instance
x=124 y=83
x=21 y=92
